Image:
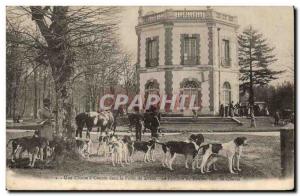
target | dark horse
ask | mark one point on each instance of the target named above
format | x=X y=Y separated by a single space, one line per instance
x=104 y=120
x=150 y=119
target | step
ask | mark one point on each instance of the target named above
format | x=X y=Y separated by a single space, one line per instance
x=196 y=120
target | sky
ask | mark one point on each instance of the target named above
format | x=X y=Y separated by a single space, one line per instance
x=274 y=22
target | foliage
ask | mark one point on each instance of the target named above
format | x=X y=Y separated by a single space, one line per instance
x=75 y=54
x=279 y=97
x=255 y=57
x=283 y=97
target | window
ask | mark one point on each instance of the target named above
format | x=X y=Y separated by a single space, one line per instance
x=190 y=56
x=227 y=93
x=152 y=52
x=225 y=53
x=191 y=88
x=151 y=88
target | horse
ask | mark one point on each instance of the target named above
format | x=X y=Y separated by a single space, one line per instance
x=104 y=120
x=150 y=120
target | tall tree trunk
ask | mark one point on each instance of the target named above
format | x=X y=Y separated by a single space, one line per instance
x=251 y=93
x=35 y=99
x=25 y=98
x=60 y=60
x=44 y=86
x=14 y=102
x=65 y=112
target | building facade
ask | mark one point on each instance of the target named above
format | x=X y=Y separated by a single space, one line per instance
x=192 y=52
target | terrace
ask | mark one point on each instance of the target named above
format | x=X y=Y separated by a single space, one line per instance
x=170 y=15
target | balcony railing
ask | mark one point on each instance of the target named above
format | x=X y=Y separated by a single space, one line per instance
x=152 y=62
x=190 y=60
x=198 y=15
x=226 y=62
x=190 y=14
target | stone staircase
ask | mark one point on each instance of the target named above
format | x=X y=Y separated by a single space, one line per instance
x=199 y=120
x=170 y=124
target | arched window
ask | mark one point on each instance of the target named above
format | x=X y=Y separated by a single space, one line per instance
x=226 y=93
x=152 y=87
x=191 y=87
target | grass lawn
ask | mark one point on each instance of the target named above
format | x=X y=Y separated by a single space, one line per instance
x=260 y=159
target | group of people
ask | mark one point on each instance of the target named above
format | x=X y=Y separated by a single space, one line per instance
x=231 y=110
x=239 y=110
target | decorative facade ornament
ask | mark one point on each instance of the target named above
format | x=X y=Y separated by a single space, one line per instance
x=168 y=44
x=168 y=82
x=210 y=46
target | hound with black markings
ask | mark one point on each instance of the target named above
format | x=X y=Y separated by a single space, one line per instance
x=128 y=148
x=198 y=139
x=186 y=148
x=147 y=147
x=231 y=150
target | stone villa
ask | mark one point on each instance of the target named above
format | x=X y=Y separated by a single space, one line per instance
x=191 y=52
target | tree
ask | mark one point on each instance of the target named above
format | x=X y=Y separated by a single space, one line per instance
x=65 y=31
x=19 y=59
x=283 y=97
x=72 y=48
x=255 y=56
x=128 y=75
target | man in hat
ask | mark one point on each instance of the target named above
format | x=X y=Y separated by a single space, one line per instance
x=46 y=116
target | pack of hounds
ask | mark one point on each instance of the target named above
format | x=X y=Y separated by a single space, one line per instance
x=119 y=150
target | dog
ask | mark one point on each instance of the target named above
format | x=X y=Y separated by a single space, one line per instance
x=36 y=149
x=128 y=148
x=186 y=148
x=147 y=147
x=103 y=144
x=231 y=150
x=17 y=145
x=198 y=139
x=117 y=150
x=84 y=147
x=35 y=146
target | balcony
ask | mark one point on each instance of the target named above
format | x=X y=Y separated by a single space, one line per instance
x=151 y=62
x=226 y=62
x=182 y=15
x=190 y=60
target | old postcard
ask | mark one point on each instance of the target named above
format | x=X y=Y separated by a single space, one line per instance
x=150 y=98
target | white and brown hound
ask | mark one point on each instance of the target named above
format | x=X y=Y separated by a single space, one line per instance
x=231 y=150
x=116 y=147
